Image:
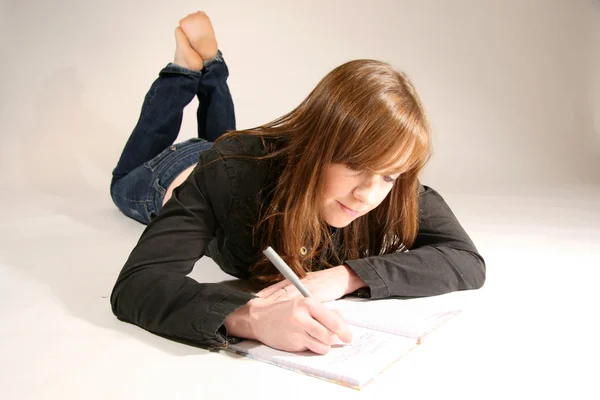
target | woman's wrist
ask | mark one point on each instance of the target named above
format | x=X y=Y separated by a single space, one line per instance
x=354 y=281
x=238 y=323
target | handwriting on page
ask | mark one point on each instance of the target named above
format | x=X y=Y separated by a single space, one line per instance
x=369 y=353
x=369 y=342
x=407 y=318
x=354 y=364
x=383 y=331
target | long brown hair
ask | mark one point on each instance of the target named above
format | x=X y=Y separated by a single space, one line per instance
x=363 y=114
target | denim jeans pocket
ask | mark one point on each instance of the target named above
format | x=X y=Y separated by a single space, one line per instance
x=156 y=161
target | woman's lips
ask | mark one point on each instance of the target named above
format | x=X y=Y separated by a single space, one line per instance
x=348 y=211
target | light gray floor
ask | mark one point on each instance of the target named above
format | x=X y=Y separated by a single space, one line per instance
x=532 y=327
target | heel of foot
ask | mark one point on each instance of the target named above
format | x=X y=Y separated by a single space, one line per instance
x=185 y=55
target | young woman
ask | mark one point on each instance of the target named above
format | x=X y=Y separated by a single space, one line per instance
x=332 y=187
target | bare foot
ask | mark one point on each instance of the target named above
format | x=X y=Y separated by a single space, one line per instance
x=184 y=54
x=200 y=33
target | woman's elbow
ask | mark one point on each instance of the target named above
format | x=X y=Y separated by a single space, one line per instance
x=476 y=278
x=116 y=302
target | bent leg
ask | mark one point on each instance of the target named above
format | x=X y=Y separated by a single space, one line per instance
x=160 y=118
x=216 y=113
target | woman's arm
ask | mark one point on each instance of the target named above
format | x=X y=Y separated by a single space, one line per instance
x=325 y=285
x=443 y=258
x=153 y=290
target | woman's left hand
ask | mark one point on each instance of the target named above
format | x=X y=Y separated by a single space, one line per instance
x=325 y=285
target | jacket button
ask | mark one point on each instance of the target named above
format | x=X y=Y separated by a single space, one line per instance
x=303 y=250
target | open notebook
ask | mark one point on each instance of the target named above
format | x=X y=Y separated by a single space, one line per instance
x=383 y=332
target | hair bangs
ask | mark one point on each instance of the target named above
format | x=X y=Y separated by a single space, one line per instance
x=389 y=137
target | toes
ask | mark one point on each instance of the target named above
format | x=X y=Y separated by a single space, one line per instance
x=179 y=34
x=181 y=38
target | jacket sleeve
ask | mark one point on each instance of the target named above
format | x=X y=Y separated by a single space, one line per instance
x=153 y=290
x=443 y=258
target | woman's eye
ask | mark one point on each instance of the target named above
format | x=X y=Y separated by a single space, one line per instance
x=389 y=179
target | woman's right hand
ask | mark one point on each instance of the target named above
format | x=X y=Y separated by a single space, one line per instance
x=293 y=325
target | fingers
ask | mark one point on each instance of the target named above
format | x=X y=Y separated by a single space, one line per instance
x=316 y=346
x=281 y=291
x=320 y=338
x=330 y=320
x=289 y=292
x=321 y=333
x=280 y=295
x=270 y=290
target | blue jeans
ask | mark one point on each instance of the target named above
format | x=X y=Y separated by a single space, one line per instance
x=150 y=160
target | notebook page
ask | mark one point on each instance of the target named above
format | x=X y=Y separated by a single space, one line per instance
x=413 y=318
x=351 y=365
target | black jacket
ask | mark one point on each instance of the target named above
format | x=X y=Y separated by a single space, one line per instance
x=212 y=213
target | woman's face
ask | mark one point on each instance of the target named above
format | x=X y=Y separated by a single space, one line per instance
x=347 y=194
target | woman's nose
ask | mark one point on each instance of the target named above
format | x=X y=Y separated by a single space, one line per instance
x=367 y=192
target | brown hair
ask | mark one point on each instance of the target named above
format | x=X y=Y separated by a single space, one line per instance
x=363 y=114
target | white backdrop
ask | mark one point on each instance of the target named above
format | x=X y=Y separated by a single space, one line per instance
x=513 y=92
x=511 y=86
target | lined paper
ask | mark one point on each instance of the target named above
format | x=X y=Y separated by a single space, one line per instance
x=352 y=365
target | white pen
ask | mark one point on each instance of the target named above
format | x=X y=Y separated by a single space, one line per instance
x=285 y=270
